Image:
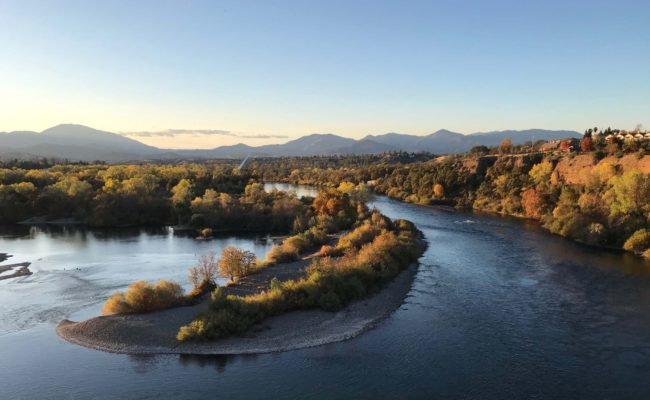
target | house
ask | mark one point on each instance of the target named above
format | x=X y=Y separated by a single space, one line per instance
x=550 y=146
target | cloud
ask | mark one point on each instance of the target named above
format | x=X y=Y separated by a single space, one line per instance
x=200 y=132
x=179 y=132
x=262 y=136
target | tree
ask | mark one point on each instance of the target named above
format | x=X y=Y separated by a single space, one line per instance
x=438 y=191
x=205 y=272
x=587 y=144
x=541 y=173
x=235 y=262
x=534 y=203
x=565 y=145
x=506 y=146
x=480 y=150
x=181 y=198
x=629 y=194
x=182 y=193
x=638 y=242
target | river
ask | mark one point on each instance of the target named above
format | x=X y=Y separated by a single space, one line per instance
x=499 y=309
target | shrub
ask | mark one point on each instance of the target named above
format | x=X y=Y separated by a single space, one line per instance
x=144 y=297
x=280 y=254
x=206 y=232
x=329 y=251
x=330 y=302
x=293 y=246
x=638 y=242
x=646 y=254
x=358 y=237
x=275 y=284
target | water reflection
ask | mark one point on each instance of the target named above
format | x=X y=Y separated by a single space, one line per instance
x=217 y=362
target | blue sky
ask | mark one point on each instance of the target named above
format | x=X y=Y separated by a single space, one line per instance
x=275 y=70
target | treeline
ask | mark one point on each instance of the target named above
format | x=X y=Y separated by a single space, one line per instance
x=216 y=196
x=612 y=207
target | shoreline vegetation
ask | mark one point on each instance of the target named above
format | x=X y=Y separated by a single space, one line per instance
x=338 y=276
x=594 y=191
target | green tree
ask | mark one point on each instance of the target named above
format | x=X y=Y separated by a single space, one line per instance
x=629 y=194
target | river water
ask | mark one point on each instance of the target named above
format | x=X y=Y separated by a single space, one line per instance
x=499 y=309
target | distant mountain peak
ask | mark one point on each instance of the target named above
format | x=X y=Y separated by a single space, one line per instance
x=445 y=132
x=79 y=142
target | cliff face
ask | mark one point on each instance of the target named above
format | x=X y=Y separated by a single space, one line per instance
x=480 y=165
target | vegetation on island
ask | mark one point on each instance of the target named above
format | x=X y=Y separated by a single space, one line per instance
x=145 y=297
x=330 y=283
x=370 y=250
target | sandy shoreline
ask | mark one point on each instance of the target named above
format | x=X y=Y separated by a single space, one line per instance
x=154 y=333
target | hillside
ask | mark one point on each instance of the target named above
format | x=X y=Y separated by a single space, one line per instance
x=82 y=143
x=444 y=141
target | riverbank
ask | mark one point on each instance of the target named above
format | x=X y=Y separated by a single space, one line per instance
x=155 y=333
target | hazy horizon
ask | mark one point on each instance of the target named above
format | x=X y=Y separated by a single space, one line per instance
x=176 y=139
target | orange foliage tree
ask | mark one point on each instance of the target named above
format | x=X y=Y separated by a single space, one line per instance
x=534 y=203
x=438 y=191
x=506 y=146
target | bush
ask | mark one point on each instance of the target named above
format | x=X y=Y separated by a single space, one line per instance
x=358 y=237
x=293 y=246
x=638 y=242
x=330 y=302
x=329 y=251
x=646 y=254
x=144 y=297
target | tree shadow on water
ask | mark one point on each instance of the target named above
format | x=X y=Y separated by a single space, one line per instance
x=218 y=362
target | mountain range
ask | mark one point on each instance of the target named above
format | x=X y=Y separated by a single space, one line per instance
x=81 y=143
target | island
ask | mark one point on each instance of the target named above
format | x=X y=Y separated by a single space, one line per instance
x=346 y=271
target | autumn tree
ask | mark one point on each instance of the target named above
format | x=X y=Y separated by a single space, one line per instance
x=438 y=191
x=235 y=263
x=205 y=271
x=587 y=144
x=565 y=145
x=506 y=146
x=534 y=203
x=331 y=202
x=181 y=198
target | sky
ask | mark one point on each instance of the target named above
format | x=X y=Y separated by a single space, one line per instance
x=199 y=74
